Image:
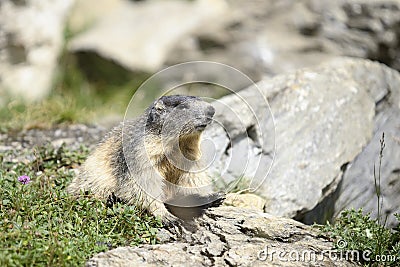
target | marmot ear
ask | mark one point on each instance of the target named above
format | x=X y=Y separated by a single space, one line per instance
x=159 y=105
x=156 y=110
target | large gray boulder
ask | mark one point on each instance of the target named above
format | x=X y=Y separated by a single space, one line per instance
x=31 y=39
x=357 y=188
x=325 y=118
x=229 y=236
x=322 y=122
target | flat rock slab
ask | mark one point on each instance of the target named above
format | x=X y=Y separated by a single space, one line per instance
x=229 y=236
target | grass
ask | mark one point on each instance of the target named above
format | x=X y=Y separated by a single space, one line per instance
x=357 y=231
x=240 y=185
x=354 y=230
x=41 y=225
x=86 y=89
x=56 y=110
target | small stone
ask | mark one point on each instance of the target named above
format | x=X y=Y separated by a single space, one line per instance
x=249 y=201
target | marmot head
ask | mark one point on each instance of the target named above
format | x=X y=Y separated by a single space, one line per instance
x=178 y=115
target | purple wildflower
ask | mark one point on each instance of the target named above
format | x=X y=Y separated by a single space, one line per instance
x=24 y=179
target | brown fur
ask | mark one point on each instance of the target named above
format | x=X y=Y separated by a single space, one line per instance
x=151 y=177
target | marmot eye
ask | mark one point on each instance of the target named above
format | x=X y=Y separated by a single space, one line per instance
x=151 y=116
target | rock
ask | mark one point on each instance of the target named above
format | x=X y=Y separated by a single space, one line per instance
x=263 y=38
x=85 y=13
x=257 y=39
x=328 y=123
x=314 y=117
x=231 y=237
x=365 y=29
x=357 y=188
x=315 y=111
x=250 y=201
x=273 y=37
x=138 y=45
x=31 y=39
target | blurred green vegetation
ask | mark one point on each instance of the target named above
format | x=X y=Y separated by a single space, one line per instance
x=86 y=88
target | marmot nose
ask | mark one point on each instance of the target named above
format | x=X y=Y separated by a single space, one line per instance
x=210 y=111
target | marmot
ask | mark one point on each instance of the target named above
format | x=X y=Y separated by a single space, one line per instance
x=153 y=158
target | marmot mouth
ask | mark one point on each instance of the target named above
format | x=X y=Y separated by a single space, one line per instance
x=201 y=127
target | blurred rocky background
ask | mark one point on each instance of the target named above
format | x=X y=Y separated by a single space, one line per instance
x=80 y=61
x=112 y=42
